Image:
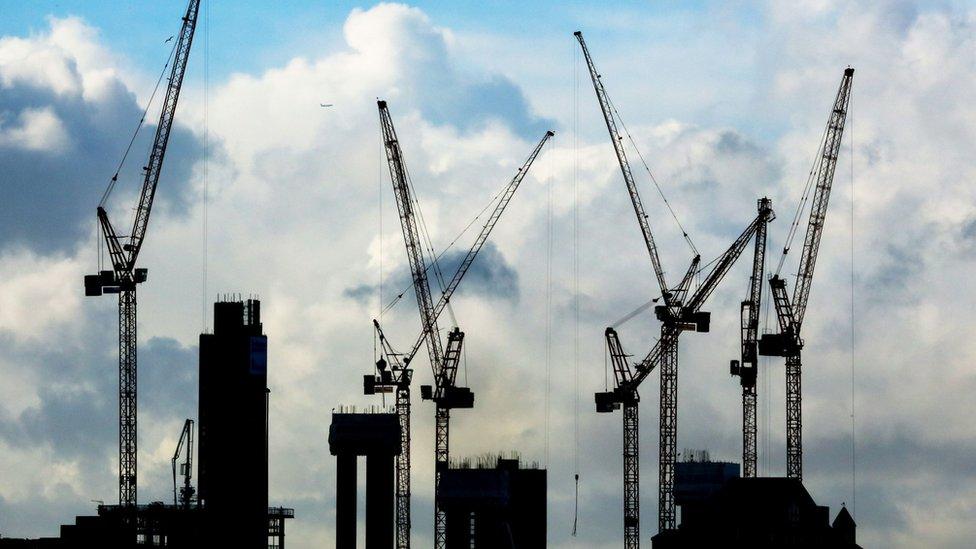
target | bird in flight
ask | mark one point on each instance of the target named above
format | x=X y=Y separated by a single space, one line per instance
x=325 y=104
x=168 y=40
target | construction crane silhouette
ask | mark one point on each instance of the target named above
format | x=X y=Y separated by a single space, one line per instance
x=790 y=313
x=627 y=379
x=393 y=369
x=747 y=367
x=678 y=313
x=183 y=496
x=124 y=251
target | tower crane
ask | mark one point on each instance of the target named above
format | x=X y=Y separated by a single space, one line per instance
x=124 y=251
x=394 y=372
x=184 y=496
x=746 y=369
x=790 y=313
x=677 y=313
x=627 y=379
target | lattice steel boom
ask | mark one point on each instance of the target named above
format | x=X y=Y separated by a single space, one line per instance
x=184 y=495
x=618 y=147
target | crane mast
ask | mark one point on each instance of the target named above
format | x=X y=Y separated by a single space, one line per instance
x=395 y=376
x=123 y=253
x=746 y=368
x=790 y=313
x=629 y=400
x=394 y=371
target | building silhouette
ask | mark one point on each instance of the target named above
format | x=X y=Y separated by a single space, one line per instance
x=495 y=503
x=232 y=506
x=233 y=422
x=754 y=512
x=375 y=435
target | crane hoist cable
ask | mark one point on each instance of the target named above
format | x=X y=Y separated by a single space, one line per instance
x=454 y=241
x=647 y=168
x=142 y=121
x=802 y=203
x=429 y=244
x=853 y=318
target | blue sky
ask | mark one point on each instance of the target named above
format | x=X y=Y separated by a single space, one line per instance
x=252 y=36
x=726 y=101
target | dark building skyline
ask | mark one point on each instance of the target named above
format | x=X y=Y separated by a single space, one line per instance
x=763 y=512
x=498 y=505
x=233 y=424
x=231 y=509
x=377 y=437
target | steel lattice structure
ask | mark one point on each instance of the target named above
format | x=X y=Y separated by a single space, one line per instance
x=747 y=367
x=124 y=276
x=394 y=371
x=664 y=354
x=678 y=313
x=790 y=313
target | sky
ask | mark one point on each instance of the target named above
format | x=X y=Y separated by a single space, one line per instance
x=265 y=193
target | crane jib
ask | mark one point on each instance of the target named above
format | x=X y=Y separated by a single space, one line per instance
x=411 y=235
x=616 y=139
x=482 y=237
x=824 y=169
x=163 y=131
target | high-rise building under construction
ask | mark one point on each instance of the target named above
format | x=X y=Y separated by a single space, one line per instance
x=233 y=439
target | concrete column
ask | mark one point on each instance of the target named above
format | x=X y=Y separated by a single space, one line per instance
x=345 y=501
x=379 y=501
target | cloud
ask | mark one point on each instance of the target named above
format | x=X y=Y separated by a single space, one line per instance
x=83 y=384
x=301 y=213
x=36 y=130
x=395 y=37
x=489 y=276
x=66 y=116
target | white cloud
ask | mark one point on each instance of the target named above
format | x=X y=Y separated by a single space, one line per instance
x=295 y=217
x=68 y=60
x=35 y=130
x=38 y=295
